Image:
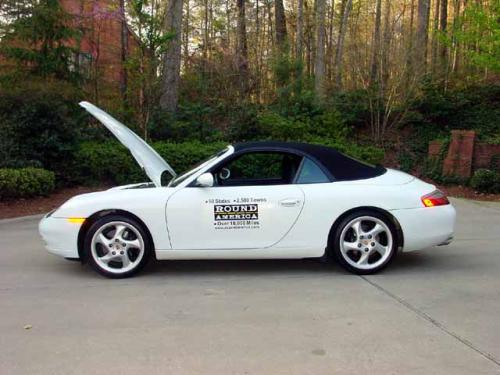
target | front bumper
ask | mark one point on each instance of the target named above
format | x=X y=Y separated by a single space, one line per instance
x=427 y=226
x=60 y=236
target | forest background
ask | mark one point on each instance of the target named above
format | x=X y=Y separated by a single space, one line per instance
x=378 y=79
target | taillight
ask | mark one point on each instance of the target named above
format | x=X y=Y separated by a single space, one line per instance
x=436 y=198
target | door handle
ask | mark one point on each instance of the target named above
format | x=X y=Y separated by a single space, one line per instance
x=290 y=202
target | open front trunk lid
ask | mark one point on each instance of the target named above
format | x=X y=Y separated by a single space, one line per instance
x=149 y=160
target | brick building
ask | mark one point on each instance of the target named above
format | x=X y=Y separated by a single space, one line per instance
x=100 y=56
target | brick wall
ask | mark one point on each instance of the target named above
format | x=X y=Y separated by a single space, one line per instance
x=434 y=149
x=465 y=154
x=458 y=161
x=483 y=153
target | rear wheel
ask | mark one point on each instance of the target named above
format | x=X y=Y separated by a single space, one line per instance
x=365 y=242
x=117 y=246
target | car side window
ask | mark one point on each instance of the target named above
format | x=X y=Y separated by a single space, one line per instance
x=259 y=168
x=310 y=173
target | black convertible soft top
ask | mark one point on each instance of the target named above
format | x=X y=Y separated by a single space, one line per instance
x=340 y=167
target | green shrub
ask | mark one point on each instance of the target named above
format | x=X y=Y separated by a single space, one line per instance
x=112 y=163
x=39 y=127
x=329 y=125
x=368 y=154
x=183 y=156
x=438 y=111
x=25 y=182
x=486 y=181
x=278 y=127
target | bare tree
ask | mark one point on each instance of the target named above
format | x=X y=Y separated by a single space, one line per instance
x=186 y=31
x=280 y=20
x=299 y=44
x=319 y=63
x=443 y=50
x=435 y=36
x=374 y=71
x=456 y=45
x=346 y=9
x=420 y=55
x=385 y=68
x=172 y=57
x=242 y=49
x=124 y=50
x=329 y=52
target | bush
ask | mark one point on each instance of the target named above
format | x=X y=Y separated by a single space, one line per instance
x=328 y=125
x=474 y=107
x=39 y=127
x=368 y=154
x=486 y=181
x=111 y=163
x=25 y=182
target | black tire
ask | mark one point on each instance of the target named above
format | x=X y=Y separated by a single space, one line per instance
x=102 y=222
x=335 y=242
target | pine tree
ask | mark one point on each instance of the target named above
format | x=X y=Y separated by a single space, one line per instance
x=38 y=36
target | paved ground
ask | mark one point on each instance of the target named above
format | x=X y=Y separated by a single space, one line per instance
x=432 y=312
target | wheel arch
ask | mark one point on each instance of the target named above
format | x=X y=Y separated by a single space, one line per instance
x=99 y=214
x=387 y=214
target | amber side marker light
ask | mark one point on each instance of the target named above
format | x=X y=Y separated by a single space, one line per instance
x=436 y=198
x=76 y=220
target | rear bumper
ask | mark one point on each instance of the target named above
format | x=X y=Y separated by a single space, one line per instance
x=427 y=226
x=60 y=236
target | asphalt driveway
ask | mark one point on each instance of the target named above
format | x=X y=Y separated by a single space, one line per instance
x=432 y=312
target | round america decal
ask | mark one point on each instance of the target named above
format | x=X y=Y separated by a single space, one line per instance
x=239 y=213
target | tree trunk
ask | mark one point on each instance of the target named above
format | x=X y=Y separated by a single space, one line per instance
x=346 y=9
x=319 y=63
x=443 y=50
x=375 y=61
x=456 y=44
x=205 y=33
x=329 y=52
x=172 y=57
x=384 y=69
x=299 y=44
x=280 y=21
x=242 y=50
x=409 y=51
x=186 y=32
x=420 y=56
x=435 y=36
x=124 y=50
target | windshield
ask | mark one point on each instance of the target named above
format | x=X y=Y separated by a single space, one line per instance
x=196 y=168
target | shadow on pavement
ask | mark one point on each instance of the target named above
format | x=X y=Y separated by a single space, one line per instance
x=427 y=261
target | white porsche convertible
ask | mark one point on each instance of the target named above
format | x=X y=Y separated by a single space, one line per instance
x=250 y=200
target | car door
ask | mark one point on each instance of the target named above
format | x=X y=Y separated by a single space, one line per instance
x=253 y=204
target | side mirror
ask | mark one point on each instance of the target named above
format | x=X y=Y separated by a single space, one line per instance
x=205 y=180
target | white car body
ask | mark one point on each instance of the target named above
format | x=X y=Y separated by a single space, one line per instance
x=294 y=220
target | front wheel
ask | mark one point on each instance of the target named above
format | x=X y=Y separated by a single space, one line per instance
x=117 y=246
x=365 y=242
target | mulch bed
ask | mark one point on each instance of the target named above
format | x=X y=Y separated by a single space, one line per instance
x=468 y=193
x=40 y=205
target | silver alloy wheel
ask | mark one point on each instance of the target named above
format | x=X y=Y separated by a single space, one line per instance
x=366 y=242
x=117 y=247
